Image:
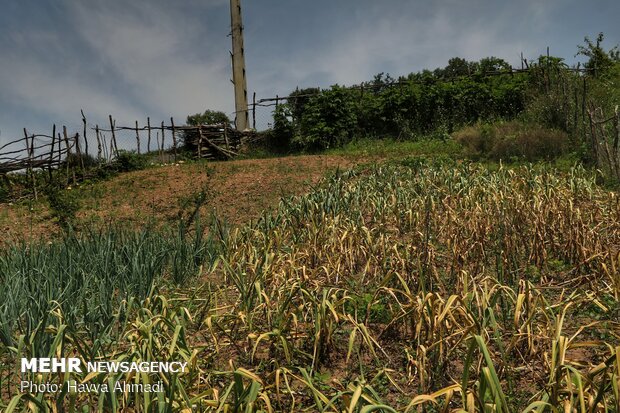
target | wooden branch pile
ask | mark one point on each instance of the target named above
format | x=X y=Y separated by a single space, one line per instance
x=213 y=141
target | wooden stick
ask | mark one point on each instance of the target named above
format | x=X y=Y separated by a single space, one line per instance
x=228 y=154
x=59 y=160
x=112 y=125
x=254 y=111
x=200 y=140
x=98 y=143
x=111 y=153
x=30 y=170
x=157 y=141
x=174 y=139
x=85 y=139
x=104 y=144
x=226 y=136
x=137 y=138
x=148 y=144
x=51 y=161
x=68 y=158
x=79 y=155
x=163 y=137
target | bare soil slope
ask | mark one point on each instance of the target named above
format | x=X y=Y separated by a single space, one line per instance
x=236 y=191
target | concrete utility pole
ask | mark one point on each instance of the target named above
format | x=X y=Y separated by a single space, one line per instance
x=238 y=63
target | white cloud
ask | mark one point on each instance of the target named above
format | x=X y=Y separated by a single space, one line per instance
x=407 y=39
x=55 y=92
x=153 y=52
x=129 y=60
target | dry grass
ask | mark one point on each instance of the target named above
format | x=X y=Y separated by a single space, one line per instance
x=512 y=141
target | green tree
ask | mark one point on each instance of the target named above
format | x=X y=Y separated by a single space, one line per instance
x=599 y=61
x=493 y=64
x=279 y=138
x=456 y=67
x=298 y=100
x=208 y=117
x=329 y=120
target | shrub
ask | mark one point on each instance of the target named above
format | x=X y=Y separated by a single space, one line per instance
x=77 y=161
x=329 y=120
x=4 y=194
x=129 y=161
x=511 y=141
x=64 y=205
x=279 y=138
x=5 y=186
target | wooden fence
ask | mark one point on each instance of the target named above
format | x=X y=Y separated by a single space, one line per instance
x=39 y=155
x=218 y=141
x=605 y=140
x=36 y=151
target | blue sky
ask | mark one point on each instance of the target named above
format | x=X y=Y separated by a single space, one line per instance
x=163 y=58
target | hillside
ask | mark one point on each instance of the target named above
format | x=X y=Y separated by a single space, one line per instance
x=396 y=283
x=454 y=247
x=235 y=191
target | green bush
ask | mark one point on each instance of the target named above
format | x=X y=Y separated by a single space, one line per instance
x=81 y=160
x=64 y=204
x=420 y=104
x=4 y=191
x=328 y=121
x=279 y=137
x=127 y=161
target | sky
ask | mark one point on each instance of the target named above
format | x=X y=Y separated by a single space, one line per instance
x=170 y=58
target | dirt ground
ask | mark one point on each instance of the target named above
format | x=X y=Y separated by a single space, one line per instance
x=237 y=191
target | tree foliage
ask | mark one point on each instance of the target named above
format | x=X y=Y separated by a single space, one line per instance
x=549 y=97
x=208 y=117
x=600 y=62
x=417 y=104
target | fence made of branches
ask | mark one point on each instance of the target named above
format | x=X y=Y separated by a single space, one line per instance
x=605 y=140
x=61 y=157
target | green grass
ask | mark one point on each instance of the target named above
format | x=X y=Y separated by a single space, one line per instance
x=389 y=148
x=86 y=276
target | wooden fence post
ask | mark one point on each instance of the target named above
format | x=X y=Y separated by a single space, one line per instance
x=148 y=128
x=59 y=160
x=163 y=137
x=174 y=139
x=158 y=146
x=51 y=161
x=254 y=111
x=98 y=143
x=30 y=151
x=137 y=138
x=85 y=139
x=113 y=135
x=68 y=158
x=78 y=151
